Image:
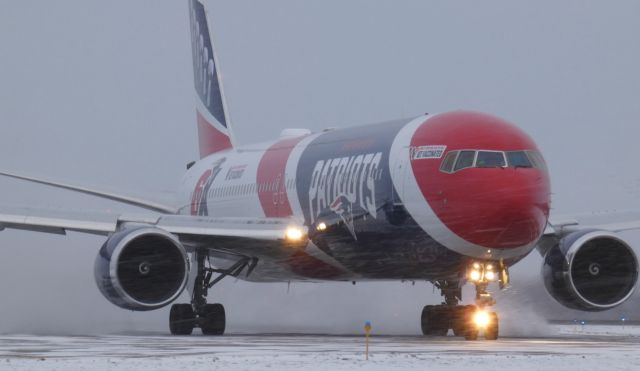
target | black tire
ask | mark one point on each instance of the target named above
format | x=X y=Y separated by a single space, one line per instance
x=471 y=331
x=181 y=319
x=491 y=332
x=461 y=319
x=471 y=334
x=434 y=321
x=213 y=319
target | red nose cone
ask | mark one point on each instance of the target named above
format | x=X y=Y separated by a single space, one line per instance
x=494 y=208
x=498 y=208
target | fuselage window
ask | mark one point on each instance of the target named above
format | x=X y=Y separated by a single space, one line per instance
x=449 y=160
x=490 y=159
x=465 y=160
x=518 y=159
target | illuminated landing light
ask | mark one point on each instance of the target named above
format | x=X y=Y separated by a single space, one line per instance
x=294 y=234
x=322 y=226
x=490 y=276
x=474 y=275
x=481 y=319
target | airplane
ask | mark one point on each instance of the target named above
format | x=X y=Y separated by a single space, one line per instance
x=450 y=198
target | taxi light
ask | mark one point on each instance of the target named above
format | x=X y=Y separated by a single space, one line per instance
x=322 y=226
x=490 y=275
x=476 y=265
x=481 y=319
x=489 y=267
x=294 y=234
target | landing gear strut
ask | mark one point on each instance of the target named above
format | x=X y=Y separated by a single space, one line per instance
x=211 y=318
x=465 y=320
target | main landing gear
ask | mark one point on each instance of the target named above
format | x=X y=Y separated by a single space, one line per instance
x=465 y=320
x=211 y=318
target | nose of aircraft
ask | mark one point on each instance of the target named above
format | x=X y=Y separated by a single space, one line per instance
x=498 y=208
x=494 y=207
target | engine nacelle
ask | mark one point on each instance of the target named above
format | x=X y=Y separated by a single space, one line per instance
x=141 y=268
x=590 y=270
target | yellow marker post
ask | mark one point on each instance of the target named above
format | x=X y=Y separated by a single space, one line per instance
x=367 y=331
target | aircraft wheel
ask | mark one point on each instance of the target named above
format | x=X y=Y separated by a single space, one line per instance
x=471 y=331
x=181 y=319
x=491 y=332
x=471 y=334
x=460 y=320
x=434 y=321
x=213 y=319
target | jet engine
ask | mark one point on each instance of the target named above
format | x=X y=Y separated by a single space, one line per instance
x=590 y=270
x=141 y=268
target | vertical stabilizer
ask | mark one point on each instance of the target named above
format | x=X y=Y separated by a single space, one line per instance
x=214 y=134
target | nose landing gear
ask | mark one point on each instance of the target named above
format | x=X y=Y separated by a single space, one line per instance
x=465 y=320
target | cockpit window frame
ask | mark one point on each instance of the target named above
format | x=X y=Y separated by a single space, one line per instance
x=526 y=155
x=504 y=159
x=450 y=170
x=473 y=162
x=536 y=159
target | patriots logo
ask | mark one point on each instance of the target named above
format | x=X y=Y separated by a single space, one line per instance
x=199 y=199
x=344 y=209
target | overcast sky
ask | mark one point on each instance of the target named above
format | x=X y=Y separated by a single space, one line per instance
x=101 y=93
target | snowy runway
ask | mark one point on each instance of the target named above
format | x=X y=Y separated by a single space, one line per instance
x=598 y=350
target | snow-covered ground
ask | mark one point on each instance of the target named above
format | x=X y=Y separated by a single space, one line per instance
x=574 y=348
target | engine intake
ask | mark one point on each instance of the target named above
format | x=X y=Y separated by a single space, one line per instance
x=590 y=270
x=141 y=268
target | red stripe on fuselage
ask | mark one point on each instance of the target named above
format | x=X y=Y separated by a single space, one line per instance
x=272 y=190
x=211 y=140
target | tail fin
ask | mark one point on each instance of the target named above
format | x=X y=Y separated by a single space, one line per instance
x=214 y=134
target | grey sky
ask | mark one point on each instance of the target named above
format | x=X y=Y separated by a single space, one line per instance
x=100 y=92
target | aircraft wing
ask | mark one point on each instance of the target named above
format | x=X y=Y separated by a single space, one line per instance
x=557 y=228
x=124 y=199
x=186 y=227
x=245 y=236
x=560 y=227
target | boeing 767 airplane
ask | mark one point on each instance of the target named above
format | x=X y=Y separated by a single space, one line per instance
x=451 y=198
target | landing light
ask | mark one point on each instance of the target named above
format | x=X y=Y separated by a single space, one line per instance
x=490 y=275
x=322 y=226
x=474 y=275
x=481 y=319
x=294 y=234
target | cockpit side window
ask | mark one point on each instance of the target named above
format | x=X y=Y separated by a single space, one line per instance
x=490 y=159
x=465 y=160
x=537 y=160
x=448 y=161
x=518 y=159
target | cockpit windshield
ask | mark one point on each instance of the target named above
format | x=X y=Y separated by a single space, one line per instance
x=465 y=160
x=458 y=160
x=490 y=159
x=518 y=159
